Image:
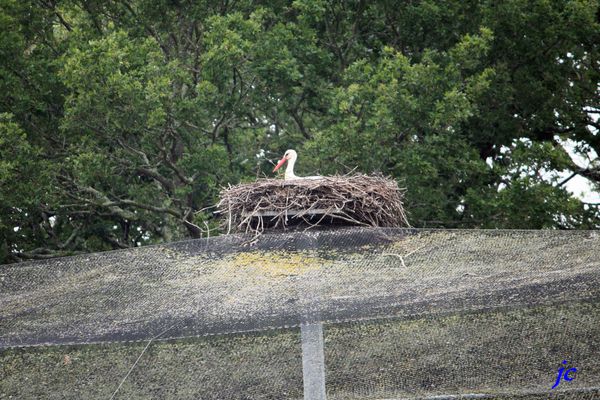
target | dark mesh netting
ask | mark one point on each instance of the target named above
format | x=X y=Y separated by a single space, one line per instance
x=342 y=314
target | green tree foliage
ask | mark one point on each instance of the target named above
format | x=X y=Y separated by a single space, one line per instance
x=122 y=120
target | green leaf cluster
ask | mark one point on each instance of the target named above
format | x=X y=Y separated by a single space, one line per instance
x=121 y=121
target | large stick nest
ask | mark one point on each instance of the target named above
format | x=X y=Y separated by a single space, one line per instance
x=278 y=204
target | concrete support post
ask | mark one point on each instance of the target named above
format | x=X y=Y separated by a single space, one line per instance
x=313 y=361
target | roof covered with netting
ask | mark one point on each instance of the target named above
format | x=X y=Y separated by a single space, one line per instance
x=224 y=284
x=408 y=313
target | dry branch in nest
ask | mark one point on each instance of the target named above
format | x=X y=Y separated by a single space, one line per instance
x=278 y=204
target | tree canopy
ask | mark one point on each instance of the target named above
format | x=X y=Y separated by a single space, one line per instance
x=120 y=121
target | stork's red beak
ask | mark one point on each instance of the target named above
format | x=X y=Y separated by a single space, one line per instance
x=280 y=163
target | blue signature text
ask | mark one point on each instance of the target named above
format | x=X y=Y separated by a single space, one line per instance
x=567 y=377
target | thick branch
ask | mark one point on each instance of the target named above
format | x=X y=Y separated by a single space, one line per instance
x=298 y=120
x=148 y=207
x=147 y=170
x=592 y=174
x=69 y=240
x=104 y=201
x=42 y=254
x=51 y=5
x=167 y=184
x=169 y=163
x=567 y=179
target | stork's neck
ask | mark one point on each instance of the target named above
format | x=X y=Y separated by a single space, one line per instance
x=289 y=169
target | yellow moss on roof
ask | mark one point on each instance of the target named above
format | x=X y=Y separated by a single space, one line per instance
x=276 y=263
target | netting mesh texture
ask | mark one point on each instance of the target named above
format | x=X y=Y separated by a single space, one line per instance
x=405 y=313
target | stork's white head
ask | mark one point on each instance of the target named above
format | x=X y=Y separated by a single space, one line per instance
x=289 y=155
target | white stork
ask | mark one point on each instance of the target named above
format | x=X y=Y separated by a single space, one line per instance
x=290 y=156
